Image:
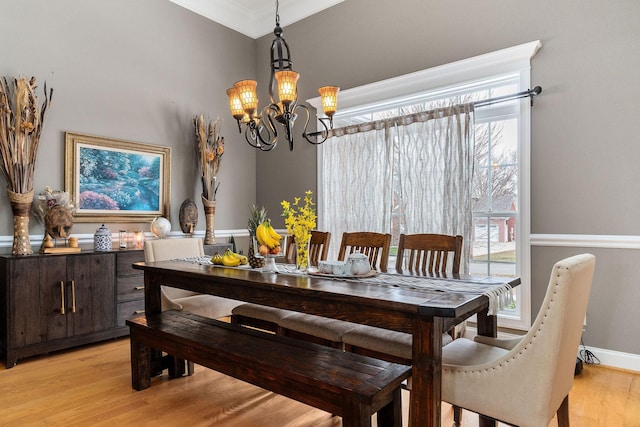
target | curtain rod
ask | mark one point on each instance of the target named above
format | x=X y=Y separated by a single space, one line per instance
x=526 y=93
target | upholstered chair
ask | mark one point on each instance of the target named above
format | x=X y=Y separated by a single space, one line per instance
x=180 y=299
x=525 y=381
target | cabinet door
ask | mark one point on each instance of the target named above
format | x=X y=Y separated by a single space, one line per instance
x=36 y=300
x=91 y=280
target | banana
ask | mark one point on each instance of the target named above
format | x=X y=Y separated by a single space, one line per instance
x=273 y=233
x=216 y=259
x=260 y=231
x=263 y=236
x=243 y=259
x=229 y=259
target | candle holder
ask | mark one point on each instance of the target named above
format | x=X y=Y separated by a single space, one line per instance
x=122 y=239
x=138 y=239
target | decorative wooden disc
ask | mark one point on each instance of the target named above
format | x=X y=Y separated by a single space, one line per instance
x=188 y=216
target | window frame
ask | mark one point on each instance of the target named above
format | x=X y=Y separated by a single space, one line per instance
x=443 y=78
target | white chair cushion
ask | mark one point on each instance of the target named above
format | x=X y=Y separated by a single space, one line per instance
x=261 y=312
x=317 y=326
x=464 y=352
x=384 y=341
x=208 y=305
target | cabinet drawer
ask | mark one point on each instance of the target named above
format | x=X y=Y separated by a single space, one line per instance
x=124 y=261
x=129 y=309
x=130 y=288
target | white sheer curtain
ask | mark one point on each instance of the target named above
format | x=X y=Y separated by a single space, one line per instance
x=435 y=172
x=357 y=183
x=409 y=174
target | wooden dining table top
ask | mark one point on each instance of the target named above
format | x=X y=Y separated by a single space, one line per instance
x=338 y=296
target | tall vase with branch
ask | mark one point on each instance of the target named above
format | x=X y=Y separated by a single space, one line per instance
x=21 y=121
x=209 y=149
x=300 y=220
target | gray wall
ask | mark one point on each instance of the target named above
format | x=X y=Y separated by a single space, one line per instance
x=140 y=70
x=135 y=70
x=585 y=146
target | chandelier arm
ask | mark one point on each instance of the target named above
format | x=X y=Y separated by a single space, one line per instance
x=324 y=133
x=254 y=134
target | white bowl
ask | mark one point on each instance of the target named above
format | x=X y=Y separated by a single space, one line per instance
x=332 y=267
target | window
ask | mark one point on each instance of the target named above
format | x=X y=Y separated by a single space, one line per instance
x=500 y=230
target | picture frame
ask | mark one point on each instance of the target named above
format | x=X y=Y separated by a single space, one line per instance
x=114 y=180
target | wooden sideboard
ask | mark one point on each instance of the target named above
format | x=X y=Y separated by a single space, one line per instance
x=57 y=301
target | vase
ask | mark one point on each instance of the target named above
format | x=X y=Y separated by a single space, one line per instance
x=302 y=254
x=20 y=206
x=209 y=216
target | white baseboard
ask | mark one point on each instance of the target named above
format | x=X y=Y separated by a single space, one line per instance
x=616 y=359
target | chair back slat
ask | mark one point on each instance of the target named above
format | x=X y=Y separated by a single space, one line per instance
x=429 y=253
x=318 y=247
x=374 y=245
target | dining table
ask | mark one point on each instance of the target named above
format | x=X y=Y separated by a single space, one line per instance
x=422 y=305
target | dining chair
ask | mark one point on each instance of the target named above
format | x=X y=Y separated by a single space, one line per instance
x=327 y=331
x=374 y=245
x=434 y=254
x=437 y=254
x=268 y=318
x=318 y=247
x=525 y=381
x=180 y=299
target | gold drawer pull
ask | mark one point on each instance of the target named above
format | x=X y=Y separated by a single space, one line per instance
x=62 y=294
x=139 y=288
x=138 y=312
x=73 y=296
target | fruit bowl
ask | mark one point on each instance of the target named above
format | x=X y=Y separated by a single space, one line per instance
x=269 y=258
x=266 y=245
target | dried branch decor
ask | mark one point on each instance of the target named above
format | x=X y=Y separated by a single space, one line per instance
x=209 y=148
x=21 y=121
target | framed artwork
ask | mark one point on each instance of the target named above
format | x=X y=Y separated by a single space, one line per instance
x=112 y=180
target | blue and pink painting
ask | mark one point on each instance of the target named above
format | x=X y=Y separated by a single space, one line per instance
x=119 y=180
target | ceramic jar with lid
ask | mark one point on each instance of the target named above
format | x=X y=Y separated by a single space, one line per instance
x=357 y=263
x=102 y=239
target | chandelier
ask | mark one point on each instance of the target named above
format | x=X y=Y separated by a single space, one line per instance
x=260 y=128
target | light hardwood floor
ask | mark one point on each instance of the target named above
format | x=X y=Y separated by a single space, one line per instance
x=91 y=386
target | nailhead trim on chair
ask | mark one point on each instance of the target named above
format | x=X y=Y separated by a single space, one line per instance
x=522 y=351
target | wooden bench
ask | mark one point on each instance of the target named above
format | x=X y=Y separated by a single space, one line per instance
x=345 y=384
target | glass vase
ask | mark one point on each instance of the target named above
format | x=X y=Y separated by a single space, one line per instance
x=302 y=254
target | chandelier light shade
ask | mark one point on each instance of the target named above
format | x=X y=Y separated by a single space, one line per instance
x=329 y=99
x=260 y=126
x=237 y=111
x=246 y=90
x=287 y=86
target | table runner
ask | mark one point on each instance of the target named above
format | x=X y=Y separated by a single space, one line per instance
x=475 y=285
